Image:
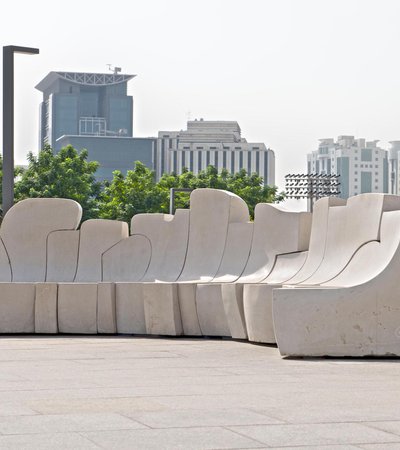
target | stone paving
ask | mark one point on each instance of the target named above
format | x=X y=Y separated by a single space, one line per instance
x=132 y=393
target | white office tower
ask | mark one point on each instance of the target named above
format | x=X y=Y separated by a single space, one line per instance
x=394 y=167
x=362 y=166
x=217 y=143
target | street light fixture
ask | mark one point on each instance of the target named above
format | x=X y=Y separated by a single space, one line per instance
x=8 y=121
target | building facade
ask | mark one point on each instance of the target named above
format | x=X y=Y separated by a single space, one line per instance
x=394 y=167
x=217 y=143
x=362 y=166
x=92 y=111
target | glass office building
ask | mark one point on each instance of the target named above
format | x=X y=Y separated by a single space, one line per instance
x=92 y=111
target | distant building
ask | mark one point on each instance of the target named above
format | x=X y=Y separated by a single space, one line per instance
x=394 y=168
x=92 y=111
x=362 y=166
x=218 y=143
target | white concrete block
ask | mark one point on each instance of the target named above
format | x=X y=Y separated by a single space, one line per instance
x=17 y=308
x=77 y=308
x=161 y=307
x=212 y=317
x=106 y=309
x=130 y=308
x=46 y=308
x=188 y=309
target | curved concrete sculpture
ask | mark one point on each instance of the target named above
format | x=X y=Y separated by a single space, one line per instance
x=24 y=237
x=213 y=319
x=354 y=313
x=293 y=268
x=78 y=306
x=170 y=308
x=276 y=232
x=167 y=237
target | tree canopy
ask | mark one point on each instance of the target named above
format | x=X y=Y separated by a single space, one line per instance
x=68 y=174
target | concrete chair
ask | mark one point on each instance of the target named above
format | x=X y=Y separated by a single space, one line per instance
x=155 y=252
x=348 y=306
x=276 y=231
x=170 y=307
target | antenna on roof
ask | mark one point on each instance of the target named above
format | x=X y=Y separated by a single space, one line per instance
x=114 y=69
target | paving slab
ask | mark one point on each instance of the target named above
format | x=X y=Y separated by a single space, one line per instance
x=142 y=392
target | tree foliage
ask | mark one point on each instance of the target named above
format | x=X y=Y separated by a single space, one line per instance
x=138 y=192
x=66 y=174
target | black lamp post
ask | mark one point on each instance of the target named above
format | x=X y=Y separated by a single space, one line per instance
x=8 y=121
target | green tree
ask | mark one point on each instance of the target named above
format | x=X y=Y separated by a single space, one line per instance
x=248 y=187
x=17 y=172
x=135 y=193
x=66 y=174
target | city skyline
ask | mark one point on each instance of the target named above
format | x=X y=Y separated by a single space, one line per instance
x=289 y=72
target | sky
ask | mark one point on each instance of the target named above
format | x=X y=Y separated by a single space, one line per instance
x=288 y=71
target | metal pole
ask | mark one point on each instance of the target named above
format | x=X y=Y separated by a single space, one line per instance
x=8 y=121
x=8 y=128
x=172 y=200
x=172 y=192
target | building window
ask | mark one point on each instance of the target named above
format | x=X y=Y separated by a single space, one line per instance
x=356 y=158
x=186 y=148
x=207 y=159
x=376 y=166
x=199 y=148
x=216 y=160
x=199 y=155
x=238 y=148
x=355 y=172
x=213 y=148
x=355 y=179
x=355 y=165
x=224 y=160
x=240 y=160
x=232 y=162
x=258 y=162
x=191 y=156
x=376 y=159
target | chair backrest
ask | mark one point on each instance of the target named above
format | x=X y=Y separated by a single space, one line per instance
x=25 y=230
x=318 y=235
x=349 y=228
x=276 y=231
x=168 y=235
x=211 y=212
x=96 y=237
x=374 y=257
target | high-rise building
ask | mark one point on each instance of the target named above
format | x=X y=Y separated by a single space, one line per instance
x=92 y=111
x=362 y=166
x=217 y=143
x=394 y=167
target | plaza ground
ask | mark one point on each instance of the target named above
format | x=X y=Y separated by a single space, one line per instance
x=132 y=393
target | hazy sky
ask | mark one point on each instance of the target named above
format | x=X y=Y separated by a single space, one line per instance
x=290 y=72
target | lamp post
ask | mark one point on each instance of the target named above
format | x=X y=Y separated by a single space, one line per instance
x=8 y=121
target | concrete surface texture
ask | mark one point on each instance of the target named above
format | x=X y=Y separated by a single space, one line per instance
x=142 y=393
x=209 y=271
x=354 y=314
